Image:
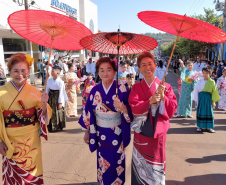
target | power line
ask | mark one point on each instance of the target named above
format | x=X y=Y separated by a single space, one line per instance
x=191 y=6
x=8 y=5
x=199 y=6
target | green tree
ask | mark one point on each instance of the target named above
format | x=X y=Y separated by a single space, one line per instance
x=191 y=48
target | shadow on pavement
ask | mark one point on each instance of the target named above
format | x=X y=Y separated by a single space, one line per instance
x=207 y=159
x=186 y=130
x=192 y=130
x=72 y=131
x=86 y=183
x=211 y=179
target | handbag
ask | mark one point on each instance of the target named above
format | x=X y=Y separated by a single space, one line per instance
x=147 y=129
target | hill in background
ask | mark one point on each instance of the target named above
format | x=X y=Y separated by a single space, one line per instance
x=160 y=36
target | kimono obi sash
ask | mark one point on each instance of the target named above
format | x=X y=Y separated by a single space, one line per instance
x=108 y=119
x=20 y=118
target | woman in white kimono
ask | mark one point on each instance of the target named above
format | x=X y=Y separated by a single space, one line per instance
x=160 y=70
x=222 y=90
x=198 y=65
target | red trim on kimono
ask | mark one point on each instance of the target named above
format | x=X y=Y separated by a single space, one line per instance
x=13 y=174
x=139 y=102
x=43 y=129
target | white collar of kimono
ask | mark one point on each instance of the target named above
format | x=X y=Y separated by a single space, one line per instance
x=16 y=86
x=149 y=86
x=106 y=90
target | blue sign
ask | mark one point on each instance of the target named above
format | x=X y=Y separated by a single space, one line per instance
x=64 y=7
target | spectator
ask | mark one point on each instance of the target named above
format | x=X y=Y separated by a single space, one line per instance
x=65 y=67
x=2 y=76
x=90 y=67
x=219 y=69
x=130 y=69
x=43 y=71
x=38 y=68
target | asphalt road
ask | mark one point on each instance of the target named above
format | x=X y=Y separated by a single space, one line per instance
x=192 y=158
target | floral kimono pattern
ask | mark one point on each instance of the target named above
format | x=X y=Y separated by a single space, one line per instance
x=110 y=143
x=222 y=93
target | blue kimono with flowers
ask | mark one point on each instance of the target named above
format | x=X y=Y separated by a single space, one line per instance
x=110 y=143
x=185 y=102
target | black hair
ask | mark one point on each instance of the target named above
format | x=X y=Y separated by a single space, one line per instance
x=128 y=62
x=57 y=68
x=130 y=75
x=208 y=69
x=121 y=62
x=39 y=60
x=90 y=74
x=70 y=65
x=160 y=64
x=124 y=64
x=56 y=61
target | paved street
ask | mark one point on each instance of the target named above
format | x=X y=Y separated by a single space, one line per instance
x=192 y=158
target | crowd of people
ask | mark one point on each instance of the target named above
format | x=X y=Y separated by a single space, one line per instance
x=141 y=102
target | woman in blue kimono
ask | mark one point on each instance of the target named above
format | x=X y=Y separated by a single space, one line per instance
x=185 y=102
x=106 y=120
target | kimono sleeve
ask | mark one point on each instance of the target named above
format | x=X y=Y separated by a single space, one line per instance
x=219 y=83
x=62 y=93
x=182 y=75
x=136 y=102
x=129 y=116
x=87 y=115
x=215 y=94
x=170 y=103
x=195 y=94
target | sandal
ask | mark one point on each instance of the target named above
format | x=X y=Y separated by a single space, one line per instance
x=189 y=116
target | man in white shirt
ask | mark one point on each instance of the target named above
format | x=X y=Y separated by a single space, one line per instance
x=90 y=67
x=65 y=67
x=57 y=96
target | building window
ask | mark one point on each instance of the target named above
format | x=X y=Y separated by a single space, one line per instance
x=12 y=45
x=91 y=26
x=93 y=54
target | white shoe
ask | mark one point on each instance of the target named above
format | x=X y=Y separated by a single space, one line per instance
x=211 y=130
x=199 y=130
x=176 y=116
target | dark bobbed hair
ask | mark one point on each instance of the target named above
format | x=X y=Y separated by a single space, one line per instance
x=124 y=63
x=208 y=69
x=70 y=65
x=144 y=55
x=130 y=75
x=90 y=74
x=160 y=64
x=105 y=60
x=128 y=62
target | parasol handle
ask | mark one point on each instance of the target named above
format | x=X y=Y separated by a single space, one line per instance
x=163 y=80
x=47 y=69
x=118 y=47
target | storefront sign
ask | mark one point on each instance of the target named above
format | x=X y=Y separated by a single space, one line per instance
x=63 y=6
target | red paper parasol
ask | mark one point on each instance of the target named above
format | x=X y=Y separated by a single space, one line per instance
x=48 y=29
x=129 y=43
x=182 y=26
x=119 y=43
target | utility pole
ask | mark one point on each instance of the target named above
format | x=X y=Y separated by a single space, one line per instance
x=32 y=76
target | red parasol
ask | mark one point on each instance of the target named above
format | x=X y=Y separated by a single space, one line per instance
x=48 y=29
x=182 y=26
x=120 y=43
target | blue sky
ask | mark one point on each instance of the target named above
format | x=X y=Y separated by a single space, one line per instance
x=112 y=13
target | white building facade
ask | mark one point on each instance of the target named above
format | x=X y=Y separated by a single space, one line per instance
x=84 y=11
